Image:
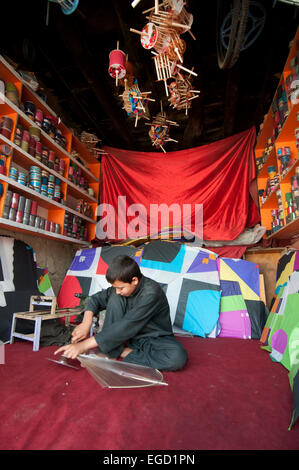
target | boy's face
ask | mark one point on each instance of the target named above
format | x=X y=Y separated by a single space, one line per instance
x=125 y=288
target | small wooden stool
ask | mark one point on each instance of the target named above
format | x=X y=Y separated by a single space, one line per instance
x=39 y=316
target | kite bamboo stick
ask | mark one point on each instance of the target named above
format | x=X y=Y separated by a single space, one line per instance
x=157 y=70
x=135 y=3
x=151 y=9
x=186 y=70
x=178 y=54
x=191 y=34
x=136 y=31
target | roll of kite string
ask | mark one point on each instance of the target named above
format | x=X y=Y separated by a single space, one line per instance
x=151 y=36
x=117 y=64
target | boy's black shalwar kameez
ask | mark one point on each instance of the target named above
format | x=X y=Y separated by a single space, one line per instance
x=141 y=322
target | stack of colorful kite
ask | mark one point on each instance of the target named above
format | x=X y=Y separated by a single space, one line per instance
x=207 y=296
x=281 y=333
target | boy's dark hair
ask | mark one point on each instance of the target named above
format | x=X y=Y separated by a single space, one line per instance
x=123 y=268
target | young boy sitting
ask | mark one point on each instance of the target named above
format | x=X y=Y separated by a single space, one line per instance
x=137 y=324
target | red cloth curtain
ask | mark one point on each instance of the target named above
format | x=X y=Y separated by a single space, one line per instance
x=216 y=175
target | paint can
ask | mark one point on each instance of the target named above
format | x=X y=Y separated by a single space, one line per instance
x=2 y=166
x=37 y=221
x=33 y=208
x=22 y=178
x=58 y=136
x=20 y=210
x=6 y=126
x=12 y=214
x=27 y=206
x=47 y=225
x=29 y=109
x=42 y=223
x=26 y=218
x=14 y=200
x=12 y=93
x=32 y=145
x=47 y=124
x=38 y=117
x=32 y=220
x=35 y=132
x=61 y=167
x=13 y=173
x=51 y=159
x=38 y=151
x=35 y=178
x=18 y=135
x=5 y=149
x=45 y=156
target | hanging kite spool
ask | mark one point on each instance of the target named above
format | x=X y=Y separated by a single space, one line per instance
x=159 y=130
x=176 y=48
x=174 y=16
x=135 y=101
x=152 y=36
x=117 y=64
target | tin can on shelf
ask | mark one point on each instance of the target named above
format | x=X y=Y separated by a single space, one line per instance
x=15 y=200
x=47 y=225
x=33 y=208
x=45 y=156
x=47 y=124
x=12 y=214
x=38 y=117
x=42 y=223
x=32 y=220
x=29 y=109
x=13 y=173
x=18 y=135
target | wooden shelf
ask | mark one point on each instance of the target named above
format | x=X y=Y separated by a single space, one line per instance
x=10 y=107
x=287 y=132
x=89 y=165
x=43 y=201
x=287 y=231
x=285 y=138
x=12 y=225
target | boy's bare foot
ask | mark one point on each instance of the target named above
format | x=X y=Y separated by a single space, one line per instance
x=125 y=352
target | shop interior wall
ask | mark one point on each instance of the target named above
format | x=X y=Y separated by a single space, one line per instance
x=267 y=260
x=56 y=256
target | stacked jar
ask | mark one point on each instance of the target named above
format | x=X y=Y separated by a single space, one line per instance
x=24 y=210
x=5 y=151
x=74 y=227
x=76 y=177
x=51 y=186
x=44 y=183
x=6 y=126
x=35 y=178
x=12 y=93
x=57 y=192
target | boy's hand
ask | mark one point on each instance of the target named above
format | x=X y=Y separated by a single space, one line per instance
x=80 y=332
x=71 y=350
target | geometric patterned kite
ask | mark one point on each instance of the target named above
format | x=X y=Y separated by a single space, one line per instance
x=242 y=313
x=190 y=278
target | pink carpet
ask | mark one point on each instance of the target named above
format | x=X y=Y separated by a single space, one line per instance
x=230 y=396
